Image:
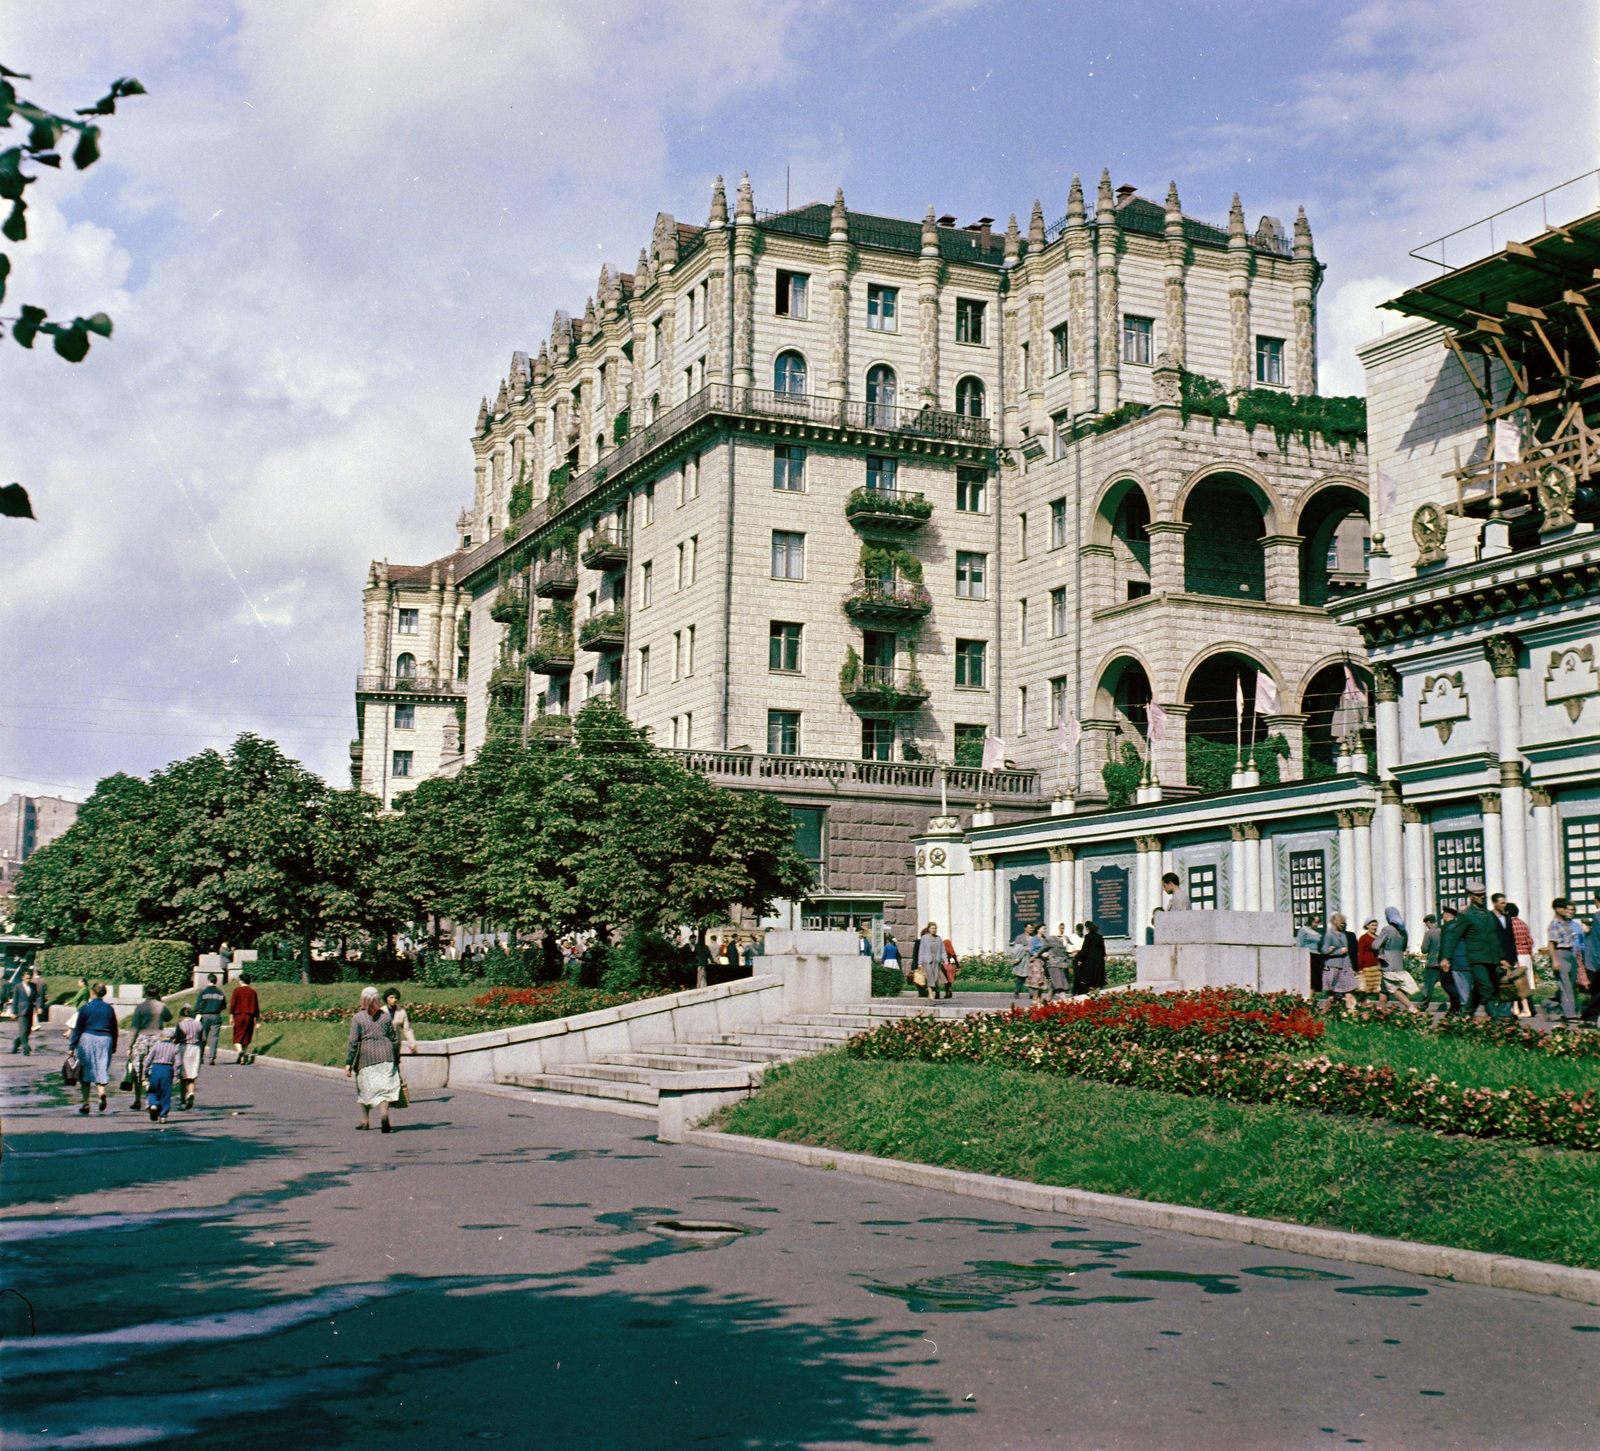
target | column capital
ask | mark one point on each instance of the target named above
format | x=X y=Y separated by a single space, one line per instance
x=1361 y=817
x=1538 y=796
x=983 y=863
x=1236 y=831
x=1385 y=683
x=1063 y=853
x=1389 y=793
x=1167 y=526
x=1285 y=721
x=1282 y=541
x=1343 y=818
x=1489 y=801
x=1411 y=815
x=1511 y=778
x=1502 y=651
x=1180 y=709
x=1147 y=843
x=1250 y=831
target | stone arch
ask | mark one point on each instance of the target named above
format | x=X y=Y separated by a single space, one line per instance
x=1320 y=698
x=1257 y=484
x=1109 y=501
x=1229 y=517
x=1124 y=687
x=972 y=396
x=1215 y=730
x=1321 y=520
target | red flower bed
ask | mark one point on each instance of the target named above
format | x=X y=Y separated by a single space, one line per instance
x=1214 y=1018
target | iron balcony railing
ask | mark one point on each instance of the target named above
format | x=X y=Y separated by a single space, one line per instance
x=962 y=782
x=719 y=398
x=419 y=684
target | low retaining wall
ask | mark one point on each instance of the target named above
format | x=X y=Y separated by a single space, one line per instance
x=544 y=1047
x=1223 y=949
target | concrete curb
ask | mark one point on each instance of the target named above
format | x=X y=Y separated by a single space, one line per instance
x=1470 y=1267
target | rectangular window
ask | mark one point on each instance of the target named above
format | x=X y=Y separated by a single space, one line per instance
x=692 y=474
x=655 y=341
x=1058 y=524
x=688 y=730
x=1022 y=710
x=1058 y=612
x=882 y=473
x=1269 y=361
x=882 y=313
x=644 y=669
x=1203 y=889
x=1581 y=843
x=402 y=764
x=877 y=740
x=970 y=488
x=969 y=663
x=1136 y=340
x=1022 y=622
x=677 y=654
x=789 y=468
x=969 y=320
x=969 y=744
x=1058 y=699
x=646 y=571
x=674 y=732
x=1457 y=859
x=783 y=646
x=1059 y=358
x=969 y=575
x=1022 y=536
x=688 y=651
x=405 y=717
x=810 y=837
x=788 y=555
x=1308 y=887
x=783 y=733
x=1027 y=367
x=683 y=484
x=694 y=298
x=691 y=561
x=792 y=295
x=1060 y=434
x=649 y=503
x=408 y=622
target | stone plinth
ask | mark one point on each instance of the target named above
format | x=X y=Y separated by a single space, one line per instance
x=1223 y=949
x=819 y=970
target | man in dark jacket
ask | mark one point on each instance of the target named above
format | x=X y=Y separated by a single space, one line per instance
x=1478 y=934
x=24 y=1003
x=209 y=1008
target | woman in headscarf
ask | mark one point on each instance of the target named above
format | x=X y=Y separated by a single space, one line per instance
x=371 y=1055
x=1390 y=946
x=1089 y=967
x=1338 y=969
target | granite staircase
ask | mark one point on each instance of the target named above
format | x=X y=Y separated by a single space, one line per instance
x=638 y=1077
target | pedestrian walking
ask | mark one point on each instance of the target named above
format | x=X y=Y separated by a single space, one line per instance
x=399 y=1018
x=144 y=1027
x=1522 y=978
x=891 y=953
x=1175 y=897
x=1309 y=940
x=1433 y=970
x=1019 y=965
x=1394 y=981
x=952 y=965
x=1589 y=970
x=94 y=1039
x=1058 y=965
x=244 y=1008
x=863 y=944
x=1089 y=967
x=371 y=1055
x=193 y=1036
x=1478 y=933
x=1563 y=936
x=24 y=1006
x=1038 y=957
x=1338 y=962
x=930 y=962
x=79 y=997
x=164 y=1061
x=209 y=1007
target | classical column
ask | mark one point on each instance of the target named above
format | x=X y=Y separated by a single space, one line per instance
x=839 y=299
x=1148 y=882
x=1166 y=555
x=1389 y=881
x=1386 y=709
x=1236 y=871
x=928 y=314
x=1080 y=330
x=744 y=287
x=1347 y=865
x=1494 y=868
x=1266 y=876
x=1416 y=854
x=1250 y=842
x=1011 y=337
x=1282 y=564
x=719 y=317
x=1107 y=238
x=1038 y=339
x=1293 y=729
x=1305 y=310
x=1240 y=375
x=1361 y=824
x=1544 y=844
x=1062 y=906
x=1099 y=577
x=983 y=871
x=1503 y=653
x=1176 y=344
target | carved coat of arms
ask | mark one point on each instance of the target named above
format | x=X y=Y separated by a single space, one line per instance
x=1571 y=678
x=1442 y=703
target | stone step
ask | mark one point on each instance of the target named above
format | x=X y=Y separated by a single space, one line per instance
x=724 y=1053
x=783 y=1042
x=664 y=1062
x=586 y=1087
x=612 y=1072
x=837 y=1032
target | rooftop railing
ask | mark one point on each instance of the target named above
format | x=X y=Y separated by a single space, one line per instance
x=776 y=771
x=420 y=684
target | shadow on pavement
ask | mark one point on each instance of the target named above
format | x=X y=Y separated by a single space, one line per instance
x=39 y=1168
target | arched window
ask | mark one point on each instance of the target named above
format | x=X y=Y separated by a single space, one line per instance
x=880 y=396
x=789 y=374
x=655 y=406
x=405 y=668
x=1222 y=552
x=970 y=398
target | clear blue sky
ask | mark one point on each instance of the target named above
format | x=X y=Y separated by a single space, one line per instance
x=327 y=227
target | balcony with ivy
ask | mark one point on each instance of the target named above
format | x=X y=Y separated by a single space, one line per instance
x=606 y=548
x=894 y=602
x=551 y=653
x=556 y=577
x=881 y=689
x=603 y=632
x=887 y=511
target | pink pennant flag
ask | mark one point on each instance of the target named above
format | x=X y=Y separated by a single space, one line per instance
x=1388 y=492
x=1266 y=694
x=1158 y=722
x=994 y=753
x=1353 y=691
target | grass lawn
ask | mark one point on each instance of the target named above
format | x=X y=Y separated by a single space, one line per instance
x=320 y=1042
x=1275 y=1163
x=1478 y=1065
x=287 y=997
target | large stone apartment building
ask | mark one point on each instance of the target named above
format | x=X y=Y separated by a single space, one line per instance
x=841 y=506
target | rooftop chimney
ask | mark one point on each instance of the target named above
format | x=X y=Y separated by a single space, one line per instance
x=981 y=227
x=1126 y=193
x=947 y=220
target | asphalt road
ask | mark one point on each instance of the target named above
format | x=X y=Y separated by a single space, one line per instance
x=261 y=1275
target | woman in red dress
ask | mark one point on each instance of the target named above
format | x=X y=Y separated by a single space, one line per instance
x=245 y=1008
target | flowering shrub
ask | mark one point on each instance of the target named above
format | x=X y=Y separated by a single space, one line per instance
x=502 y=1007
x=1118 y=1054
x=1492 y=1031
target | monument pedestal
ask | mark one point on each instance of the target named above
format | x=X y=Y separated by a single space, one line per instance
x=1223 y=949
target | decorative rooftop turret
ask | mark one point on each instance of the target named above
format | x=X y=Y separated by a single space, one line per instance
x=1013 y=242
x=745 y=205
x=1076 y=215
x=839 y=221
x=483 y=415
x=1174 y=225
x=719 y=205
x=1237 y=236
x=641 y=274
x=1036 y=228
x=930 y=235
x=502 y=402
x=1303 y=249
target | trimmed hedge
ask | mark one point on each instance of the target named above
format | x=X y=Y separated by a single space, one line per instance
x=164 y=965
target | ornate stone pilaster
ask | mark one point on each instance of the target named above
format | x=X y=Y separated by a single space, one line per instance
x=1306 y=279
x=928 y=315
x=666 y=263
x=1166 y=555
x=1012 y=337
x=1411 y=816
x=1502 y=652
x=744 y=287
x=1176 y=345
x=1107 y=248
x=718 y=320
x=839 y=299
x=1540 y=799
x=1494 y=868
x=1385 y=683
x=1038 y=341
x=1079 y=247
x=1240 y=373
